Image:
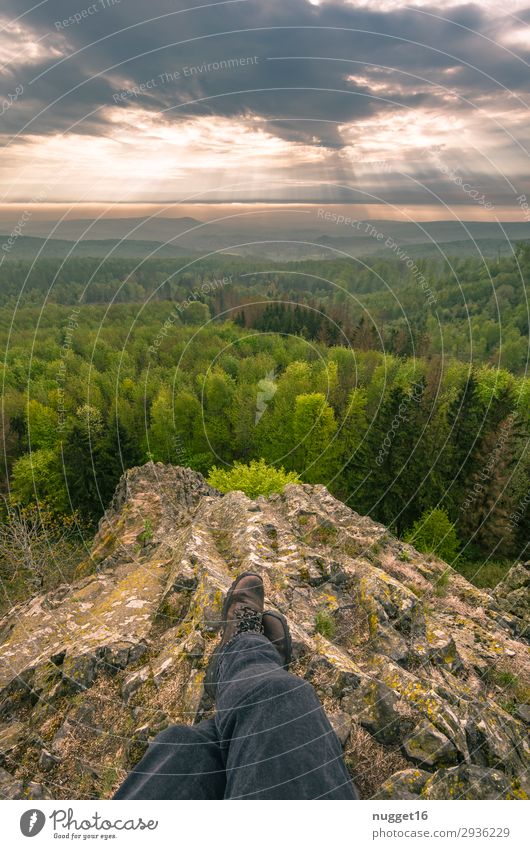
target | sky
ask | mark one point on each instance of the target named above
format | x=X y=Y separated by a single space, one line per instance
x=390 y=105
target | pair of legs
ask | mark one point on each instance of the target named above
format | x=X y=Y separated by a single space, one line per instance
x=269 y=739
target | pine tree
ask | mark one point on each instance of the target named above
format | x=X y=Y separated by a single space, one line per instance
x=465 y=416
x=116 y=451
x=160 y=442
x=80 y=464
x=393 y=473
x=274 y=431
x=354 y=449
x=485 y=510
x=314 y=429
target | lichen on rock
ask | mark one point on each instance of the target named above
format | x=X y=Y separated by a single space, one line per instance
x=413 y=682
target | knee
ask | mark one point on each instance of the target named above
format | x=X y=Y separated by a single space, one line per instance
x=188 y=735
x=282 y=684
x=175 y=735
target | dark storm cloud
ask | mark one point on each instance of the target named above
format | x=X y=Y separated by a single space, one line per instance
x=301 y=99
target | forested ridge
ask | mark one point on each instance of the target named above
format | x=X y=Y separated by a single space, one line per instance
x=215 y=364
x=470 y=309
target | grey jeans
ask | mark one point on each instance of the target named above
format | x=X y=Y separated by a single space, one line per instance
x=269 y=739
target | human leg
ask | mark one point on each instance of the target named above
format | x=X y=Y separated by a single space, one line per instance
x=276 y=738
x=183 y=762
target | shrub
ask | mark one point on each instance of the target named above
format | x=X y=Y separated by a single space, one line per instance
x=435 y=534
x=39 y=477
x=146 y=535
x=325 y=624
x=254 y=478
x=484 y=573
x=38 y=551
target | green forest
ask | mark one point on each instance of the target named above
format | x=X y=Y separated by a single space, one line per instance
x=343 y=373
x=472 y=310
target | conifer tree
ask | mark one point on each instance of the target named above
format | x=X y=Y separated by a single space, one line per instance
x=465 y=416
x=314 y=429
x=485 y=510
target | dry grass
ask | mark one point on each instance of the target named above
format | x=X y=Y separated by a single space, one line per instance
x=353 y=625
x=369 y=763
x=92 y=762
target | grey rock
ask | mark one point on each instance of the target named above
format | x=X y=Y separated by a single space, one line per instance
x=444 y=652
x=315 y=570
x=341 y=724
x=134 y=681
x=14 y=788
x=10 y=787
x=45 y=680
x=194 y=645
x=389 y=642
x=11 y=736
x=517 y=577
x=373 y=706
x=494 y=739
x=512 y=593
x=523 y=712
x=61 y=738
x=77 y=674
x=88 y=769
x=48 y=761
x=404 y=785
x=115 y=657
x=429 y=747
x=467 y=782
x=517 y=602
x=36 y=791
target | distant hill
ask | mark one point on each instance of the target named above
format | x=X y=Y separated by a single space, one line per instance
x=29 y=247
x=271 y=236
x=489 y=248
x=323 y=247
x=138 y=229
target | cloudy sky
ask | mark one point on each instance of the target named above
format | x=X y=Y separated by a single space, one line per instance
x=346 y=101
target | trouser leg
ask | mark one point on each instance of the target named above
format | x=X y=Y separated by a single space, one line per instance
x=183 y=762
x=276 y=738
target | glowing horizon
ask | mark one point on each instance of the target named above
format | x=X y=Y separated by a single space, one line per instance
x=350 y=102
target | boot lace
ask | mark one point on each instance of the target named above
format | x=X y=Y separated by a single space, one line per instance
x=248 y=619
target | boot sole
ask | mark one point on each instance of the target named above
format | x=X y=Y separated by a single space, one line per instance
x=287 y=634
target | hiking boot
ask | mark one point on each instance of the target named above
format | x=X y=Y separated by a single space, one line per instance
x=276 y=629
x=243 y=607
x=242 y=613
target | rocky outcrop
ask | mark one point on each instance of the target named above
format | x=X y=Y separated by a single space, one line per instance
x=423 y=677
x=513 y=597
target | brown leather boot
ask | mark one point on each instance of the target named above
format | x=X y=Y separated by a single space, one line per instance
x=242 y=612
x=276 y=629
x=243 y=607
